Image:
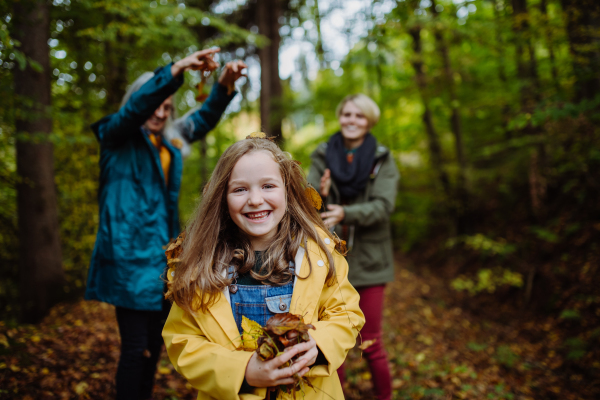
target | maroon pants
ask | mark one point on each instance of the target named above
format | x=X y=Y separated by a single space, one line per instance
x=371 y=304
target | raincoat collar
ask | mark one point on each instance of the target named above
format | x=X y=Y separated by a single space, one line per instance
x=304 y=298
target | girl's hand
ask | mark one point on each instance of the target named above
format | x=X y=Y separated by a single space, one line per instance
x=232 y=72
x=334 y=216
x=202 y=60
x=312 y=352
x=264 y=374
x=325 y=183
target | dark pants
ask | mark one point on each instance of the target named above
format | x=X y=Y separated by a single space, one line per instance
x=371 y=304
x=141 y=344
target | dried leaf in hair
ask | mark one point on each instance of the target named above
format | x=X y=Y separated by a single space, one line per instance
x=257 y=135
x=173 y=252
x=174 y=248
x=340 y=245
x=230 y=89
x=314 y=197
x=260 y=135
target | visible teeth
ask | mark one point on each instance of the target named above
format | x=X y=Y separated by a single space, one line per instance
x=258 y=215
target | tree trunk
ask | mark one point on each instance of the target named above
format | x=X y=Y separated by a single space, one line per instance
x=319 y=46
x=505 y=110
x=530 y=92
x=550 y=44
x=462 y=196
x=526 y=71
x=271 y=111
x=116 y=70
x=40 y=259
x=432 y=135
x=583 y=22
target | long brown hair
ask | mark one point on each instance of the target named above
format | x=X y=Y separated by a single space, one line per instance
x=213 y=241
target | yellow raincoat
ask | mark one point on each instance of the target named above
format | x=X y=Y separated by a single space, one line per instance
x=202 y=347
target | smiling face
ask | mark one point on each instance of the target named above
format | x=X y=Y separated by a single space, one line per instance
x=354 y=125
x=157 y=121
x=256 y=197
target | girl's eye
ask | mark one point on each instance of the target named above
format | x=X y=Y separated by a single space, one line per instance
x=269 y=186
x=237 y=190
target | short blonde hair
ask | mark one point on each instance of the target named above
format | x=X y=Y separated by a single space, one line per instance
x=366 y=105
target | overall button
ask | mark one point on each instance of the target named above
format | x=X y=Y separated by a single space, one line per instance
x=233 y=289
x=282 y=307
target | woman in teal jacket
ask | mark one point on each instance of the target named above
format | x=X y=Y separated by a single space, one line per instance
x=140 y=177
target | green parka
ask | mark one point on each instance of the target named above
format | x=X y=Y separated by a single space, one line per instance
x=370 y=258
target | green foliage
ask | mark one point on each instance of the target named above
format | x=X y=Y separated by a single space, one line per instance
x=505 y=356
x=90 y=41
x=500 y=392
x=505 y=119
x=488 y=280
x=570 y=314
x=576 y=348
x=477 y=346
x=483 y=245
x=555 y=112
x=544 y=234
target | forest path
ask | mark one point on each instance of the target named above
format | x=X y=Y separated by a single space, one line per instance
x=436 y=352
x=440 y=351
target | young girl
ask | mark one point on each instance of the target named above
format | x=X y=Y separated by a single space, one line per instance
x=257 y=247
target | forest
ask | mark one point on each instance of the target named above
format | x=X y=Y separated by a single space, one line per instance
x=491 y=110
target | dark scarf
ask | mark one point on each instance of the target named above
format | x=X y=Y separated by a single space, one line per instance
x=350 y=178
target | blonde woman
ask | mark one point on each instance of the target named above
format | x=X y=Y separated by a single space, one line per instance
x=358 y=178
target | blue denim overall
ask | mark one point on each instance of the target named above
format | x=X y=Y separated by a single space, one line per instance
x=261 y=302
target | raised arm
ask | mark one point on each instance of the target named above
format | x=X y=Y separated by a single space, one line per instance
x=196 y=125
x=116 y=128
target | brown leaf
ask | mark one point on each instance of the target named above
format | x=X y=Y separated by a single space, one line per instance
x=174 y=249
x=260 y=135
x=177 y=143
x=366 y=344
x=314 y=197
x=340 y=245
x=281 y=323
x=257 y=135
x=267 y=349
x=201 y=97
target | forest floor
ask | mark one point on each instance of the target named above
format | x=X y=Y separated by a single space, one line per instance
x=437 y=350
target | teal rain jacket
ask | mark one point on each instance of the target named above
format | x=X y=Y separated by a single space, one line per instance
x=138 y=212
